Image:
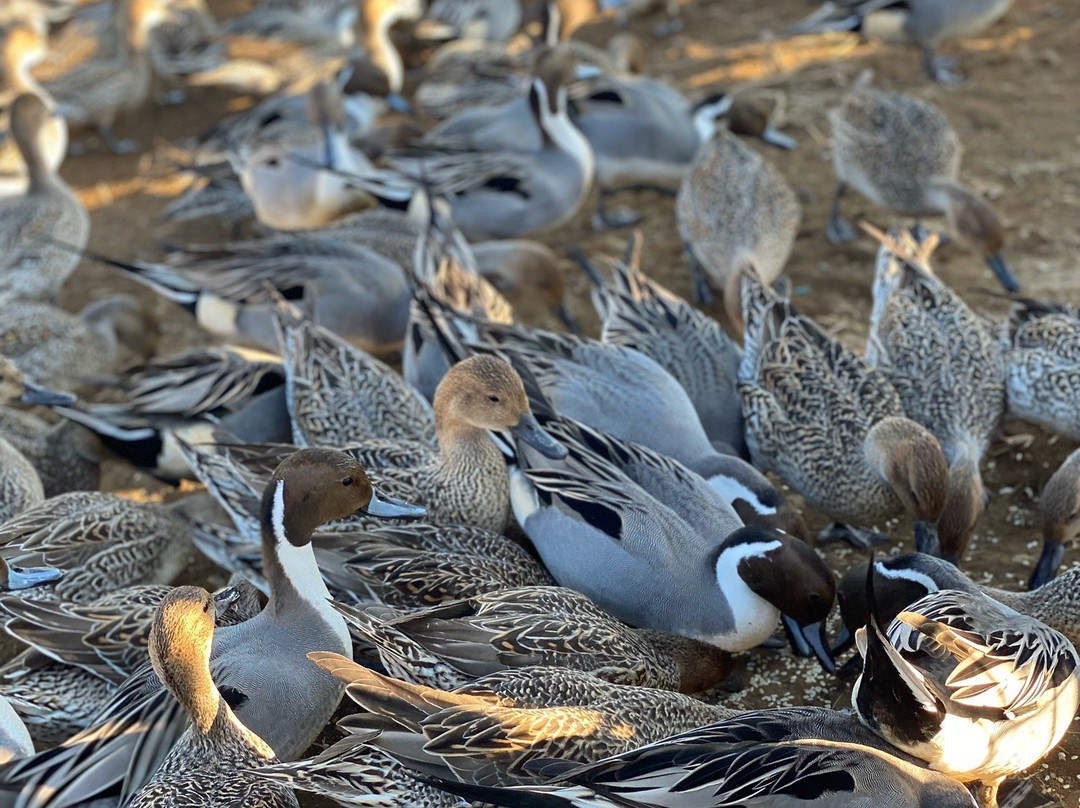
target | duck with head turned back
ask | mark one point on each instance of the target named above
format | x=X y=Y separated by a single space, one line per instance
x=208 y=765
x=33 y=266
x=901 y=153
x=735 y=212
x=977 y=690
x=832 y=426
x=311 y=487
x=947 y=367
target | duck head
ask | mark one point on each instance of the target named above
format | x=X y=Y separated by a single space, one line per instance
x=486 y=393
x=787 y=574
x=314 y=486
x=911 y=461
x=529 y=270
x=963 y=508
x=15 y=387
x=180 y=640
x=22 y=47
x=978 y=226
x=29 y=117
x=1059 y=509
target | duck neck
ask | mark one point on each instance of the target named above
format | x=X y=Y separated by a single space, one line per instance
x=296 y=584
x=558 y=129
x=16 y=73
x=461 y=445
x=188 y=680
x=377 y=25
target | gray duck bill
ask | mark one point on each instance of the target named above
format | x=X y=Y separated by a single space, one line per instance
x=29 y=577
x=529 y=430
x=810 y=639
x=44 y=397
x=387 y=507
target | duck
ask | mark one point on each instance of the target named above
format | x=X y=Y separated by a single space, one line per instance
x=901 y=580
x=630 y=511
x=208 y=765
x=377 y=17
x=351 y=289
x=734 y=211
x=833 y=426
x=324 y=25
x=528 y=271
x=900 y=153
x=794 y=756
x=80 y=653
x=977 y=690
x=449 y=645
x=311 y=487
x=550 y=713
x=946 y=365
x=103 y=541
x=34 y=266
x=20 y=485
x=1042 y=375
x=638 y=312
x=462 y=479
x=60 y=348
x=65 y=457
x=337 y=394
x=97 y=91
x=22 y=46
x=508 y=192
x=1059 y=511
x=626 y=395
x=926 y=24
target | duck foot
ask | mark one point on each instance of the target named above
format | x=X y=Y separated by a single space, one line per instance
x=858 y=537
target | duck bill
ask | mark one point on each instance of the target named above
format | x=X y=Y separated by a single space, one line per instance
x=29 y=577
x=392 y=508
x=44 y=397
x=774 y=137
x=926 y=538
x=400 y=104
x=567 y=319
x=530 y=431
x=224 y=599
x=1053 y=553
x=1002 y=272
x=810 y=639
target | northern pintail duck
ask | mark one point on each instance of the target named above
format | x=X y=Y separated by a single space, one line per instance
x=96 y=92
x=349 y=288
x=463 y=479
x=324 y=25
x=309 y=488
x=551 y=713
x=102 y=540
x=627 y=395
x=210 y=764
x=946 y=365
x=61 y=348
x=977 y=690
x=20 y=485
x=901 y=153
x=449 y=645
x=901 y=580
x=377 y=17
x=832 y=426
x=33 y=266
x=638 y=312
x=507 y=192
x=927 y=24
x=80 y=653
x=735 y=211
x=1059 y=509
x=792 y=757
x=1042 y=376
x=475 y=20
x=21 y=47
x=610 y=519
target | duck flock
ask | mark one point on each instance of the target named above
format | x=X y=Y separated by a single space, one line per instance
x=473 y=561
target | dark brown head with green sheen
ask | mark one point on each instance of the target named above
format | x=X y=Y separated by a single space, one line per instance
x=180 y=640
x=316 y=486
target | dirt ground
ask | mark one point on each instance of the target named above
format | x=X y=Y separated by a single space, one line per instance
x=1020 y=124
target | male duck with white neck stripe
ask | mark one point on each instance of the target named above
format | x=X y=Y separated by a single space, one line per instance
x=260 y=666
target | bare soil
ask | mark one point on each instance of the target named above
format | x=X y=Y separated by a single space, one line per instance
x=1017 y=117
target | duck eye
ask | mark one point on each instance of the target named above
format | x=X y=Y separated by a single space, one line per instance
x=347 y=481
x=493 y=397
